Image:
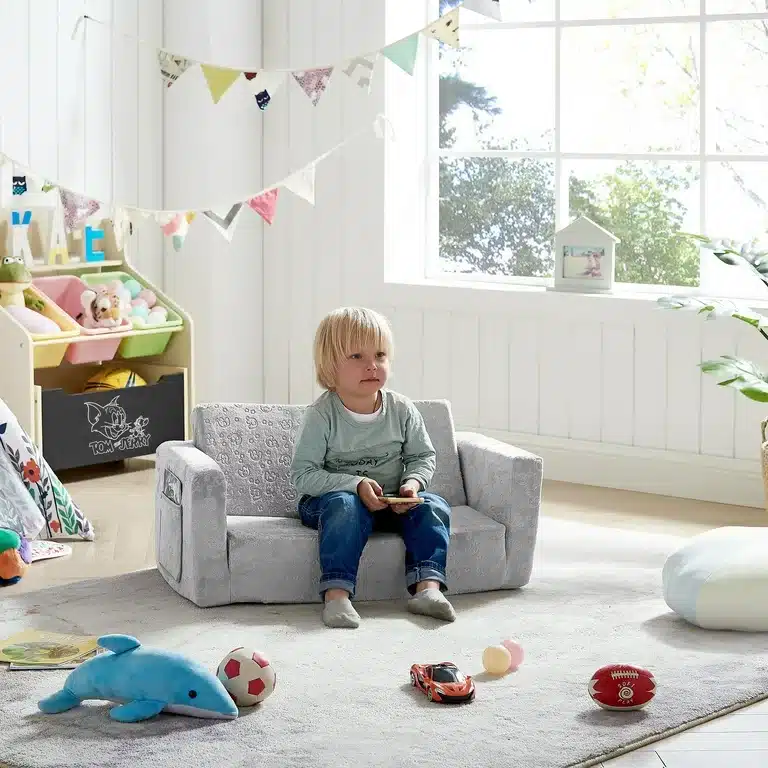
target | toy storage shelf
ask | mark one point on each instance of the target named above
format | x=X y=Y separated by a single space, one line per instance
x=75 y=429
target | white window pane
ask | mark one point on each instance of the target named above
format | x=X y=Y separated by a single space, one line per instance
x=486 y=104
x=630 y=89
x=497 y=216
x=646 y=205
x=515 y=10
x=736 y=6
x=617 y=9
x=737 y=200
x=737 y=87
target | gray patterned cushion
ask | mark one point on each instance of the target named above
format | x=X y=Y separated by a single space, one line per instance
x=253 y=445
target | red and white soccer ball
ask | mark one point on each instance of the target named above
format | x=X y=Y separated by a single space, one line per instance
x=247 y=675
x=622 y=687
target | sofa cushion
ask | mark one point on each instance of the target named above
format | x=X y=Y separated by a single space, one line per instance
x=275 y=560
x=253 y=444
x=719 y=579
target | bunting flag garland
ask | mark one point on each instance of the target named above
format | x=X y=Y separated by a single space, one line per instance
x=265 y=204
x=302 y=183
x=77 y=208
x=403 y=53
x=314 y=82
x=225 y=224
x=172 y=67
x=264 y=83
x=219 y=80
x=490 y=8
x=360 y=69
x=446 y=29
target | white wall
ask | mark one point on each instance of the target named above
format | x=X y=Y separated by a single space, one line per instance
x=605 y=389
x=87 y=113
x=213 y=155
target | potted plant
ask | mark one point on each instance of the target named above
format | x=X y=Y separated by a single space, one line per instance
x=743 y=375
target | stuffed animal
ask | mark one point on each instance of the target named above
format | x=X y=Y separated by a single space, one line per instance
x=105 y=307
x=144 y=682
x=12 y=560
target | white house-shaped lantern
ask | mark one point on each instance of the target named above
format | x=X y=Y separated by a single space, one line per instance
x=585 y=257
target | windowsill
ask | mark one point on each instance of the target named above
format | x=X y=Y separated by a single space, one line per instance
x=621 y=291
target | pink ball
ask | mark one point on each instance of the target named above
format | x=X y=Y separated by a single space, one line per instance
x=149 y=297
x=516 y=652
x=140 y=303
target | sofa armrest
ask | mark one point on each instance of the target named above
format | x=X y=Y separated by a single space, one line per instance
x=504 y=483
x=191 y=524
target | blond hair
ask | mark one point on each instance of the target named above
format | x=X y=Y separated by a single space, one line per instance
x=344 y=331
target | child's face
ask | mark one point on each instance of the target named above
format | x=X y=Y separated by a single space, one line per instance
x=363 y=372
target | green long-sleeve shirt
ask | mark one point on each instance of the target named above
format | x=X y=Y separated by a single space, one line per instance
x=334 y=451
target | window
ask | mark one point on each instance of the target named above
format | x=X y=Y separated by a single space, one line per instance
x=648 y=116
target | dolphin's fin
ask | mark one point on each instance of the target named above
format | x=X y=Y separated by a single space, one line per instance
x=136 y=710
x=118 y=643
x=60 y=701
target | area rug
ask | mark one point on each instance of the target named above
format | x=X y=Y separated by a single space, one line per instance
x=343 y=696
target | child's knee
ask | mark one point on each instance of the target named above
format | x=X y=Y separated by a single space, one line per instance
x=344 y=506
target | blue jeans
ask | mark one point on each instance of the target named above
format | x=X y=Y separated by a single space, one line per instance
x=344 y=524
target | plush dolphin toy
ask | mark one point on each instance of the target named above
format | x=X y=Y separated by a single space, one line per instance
x=145 y=682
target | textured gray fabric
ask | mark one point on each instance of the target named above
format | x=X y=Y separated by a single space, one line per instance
x=191 y=538
x=244 y=453
x=343 y=699
x=253 y=445
x=275 y=560
x=504 y=483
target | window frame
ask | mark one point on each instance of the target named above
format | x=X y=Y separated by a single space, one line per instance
x=708 y=282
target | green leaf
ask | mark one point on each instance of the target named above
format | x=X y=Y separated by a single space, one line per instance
x=714 y=308
x=64 y=509
x=742 y=375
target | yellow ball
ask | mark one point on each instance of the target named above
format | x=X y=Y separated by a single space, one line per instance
x=496 y=659
x=117 y=378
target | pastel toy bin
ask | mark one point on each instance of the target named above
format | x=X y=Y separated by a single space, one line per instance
x=147 y=340
x=65 y=291
x=51 y=355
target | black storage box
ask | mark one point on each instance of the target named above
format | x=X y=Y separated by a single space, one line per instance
x=99 y=427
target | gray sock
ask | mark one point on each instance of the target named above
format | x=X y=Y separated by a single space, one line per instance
x=340 y=614
x=432 y=602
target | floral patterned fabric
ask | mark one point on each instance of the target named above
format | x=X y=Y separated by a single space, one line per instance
x=18 y=511
x=62 y=516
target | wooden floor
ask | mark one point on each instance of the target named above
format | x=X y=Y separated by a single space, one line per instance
x=119 y=503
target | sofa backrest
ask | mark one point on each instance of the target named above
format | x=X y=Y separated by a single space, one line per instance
x=253 y=445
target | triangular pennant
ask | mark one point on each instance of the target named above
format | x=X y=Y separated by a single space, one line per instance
x=264 y=85
x=490 y=8
x=302 y=183
x=314 y=82
x=176 y=225
x=360 y=69
x=121 y=227
x=225 y=224
x=403 y=52
x=265 y=204
x=172 y=67
x=219 y=79
x=77 y=209
x=445 y=29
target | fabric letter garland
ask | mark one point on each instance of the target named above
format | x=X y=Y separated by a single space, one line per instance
x=314 y=82
x=265 y=205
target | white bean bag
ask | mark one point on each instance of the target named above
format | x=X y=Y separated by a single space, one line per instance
x=719 y=580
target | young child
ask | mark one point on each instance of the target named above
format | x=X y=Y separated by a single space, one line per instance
x=359 y=442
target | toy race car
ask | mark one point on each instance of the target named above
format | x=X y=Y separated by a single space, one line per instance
x=443 y=683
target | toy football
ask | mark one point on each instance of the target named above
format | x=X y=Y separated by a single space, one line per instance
x=247 y=675
x=443 y=683
x=622 y=687
x=115 y=378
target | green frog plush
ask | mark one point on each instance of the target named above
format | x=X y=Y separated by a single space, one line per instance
x=15 y=279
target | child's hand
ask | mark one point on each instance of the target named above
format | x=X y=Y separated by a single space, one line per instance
x=369 y=490
x=408 y=489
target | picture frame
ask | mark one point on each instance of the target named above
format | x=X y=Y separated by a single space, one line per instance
x=585 y=257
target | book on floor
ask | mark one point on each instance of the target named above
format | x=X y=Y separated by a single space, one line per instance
x=42 y=549
x=35 y=647
x=17 y=667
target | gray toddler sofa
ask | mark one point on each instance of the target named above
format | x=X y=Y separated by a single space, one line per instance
x=227 y=530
